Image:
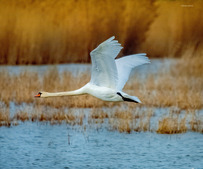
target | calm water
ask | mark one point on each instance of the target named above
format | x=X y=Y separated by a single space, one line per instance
x=154 y=67
x=38 y=145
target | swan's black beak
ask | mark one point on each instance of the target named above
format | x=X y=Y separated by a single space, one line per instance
x=38 y=95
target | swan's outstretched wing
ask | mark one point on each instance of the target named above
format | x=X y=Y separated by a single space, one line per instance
x=126 y=64
x=104 y=71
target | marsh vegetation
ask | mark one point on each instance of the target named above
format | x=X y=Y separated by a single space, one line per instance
x=182 y=100
x=36 y=32
x=47 y=32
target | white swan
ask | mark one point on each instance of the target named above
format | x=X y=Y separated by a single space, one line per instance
x=108 y=75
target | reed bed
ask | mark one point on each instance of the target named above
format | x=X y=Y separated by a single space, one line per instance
x=42 y=32
x=4 y=116
x=173 y=124
x=131 y=120
x=179 y=91
x=174 y=33
x=22 y=88
x=182 y=87
x=36 y=32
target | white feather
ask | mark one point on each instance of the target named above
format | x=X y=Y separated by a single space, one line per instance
x=126 y=64
x=104 y=71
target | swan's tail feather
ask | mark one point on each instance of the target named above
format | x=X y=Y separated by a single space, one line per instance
x=129 y=98
x=132 y=99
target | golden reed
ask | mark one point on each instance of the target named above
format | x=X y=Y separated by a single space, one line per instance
x=48 y=31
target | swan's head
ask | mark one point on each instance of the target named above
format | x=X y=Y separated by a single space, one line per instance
x=42 y=94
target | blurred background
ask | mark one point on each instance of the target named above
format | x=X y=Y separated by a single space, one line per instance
x=65 y=31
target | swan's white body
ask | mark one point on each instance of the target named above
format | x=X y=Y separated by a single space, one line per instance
x=108 y=76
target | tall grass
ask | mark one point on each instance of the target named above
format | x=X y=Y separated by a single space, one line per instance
x=119 y=119
x=49 y=31
x=182 y=87
x=40 y=32
x=179 y=90
x=177 y=29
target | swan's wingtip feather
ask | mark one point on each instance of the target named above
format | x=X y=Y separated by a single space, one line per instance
x=111 y=38
x=138 y=100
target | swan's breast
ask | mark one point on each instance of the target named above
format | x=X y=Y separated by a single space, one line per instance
x=103 y=93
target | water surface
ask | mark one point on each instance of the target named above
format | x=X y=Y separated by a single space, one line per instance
x=154 y=67
x=40 y=145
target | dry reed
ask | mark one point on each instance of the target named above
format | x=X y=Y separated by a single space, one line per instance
x=190 y=120
x=196 y=123
x=56 y=116
x=172 y=124
x=131 y=120
x=175 y=31
x=4 y=116
x=36 y=32
x=119 y=119
x=55 y=32
x=182 y=87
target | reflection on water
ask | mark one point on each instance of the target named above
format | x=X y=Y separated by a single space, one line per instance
x=38 y=145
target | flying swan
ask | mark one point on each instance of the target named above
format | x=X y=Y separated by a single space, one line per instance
x=108 y=75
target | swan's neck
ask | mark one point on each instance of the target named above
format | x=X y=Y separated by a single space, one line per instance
x=69 y=93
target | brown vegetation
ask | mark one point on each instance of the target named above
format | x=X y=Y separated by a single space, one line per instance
x=182 y=87
x=129 y=120
x=196 y=123
x=48 y=31
x=176 y=30
x=36 y=32
x=172 y=124
x=4 y=116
